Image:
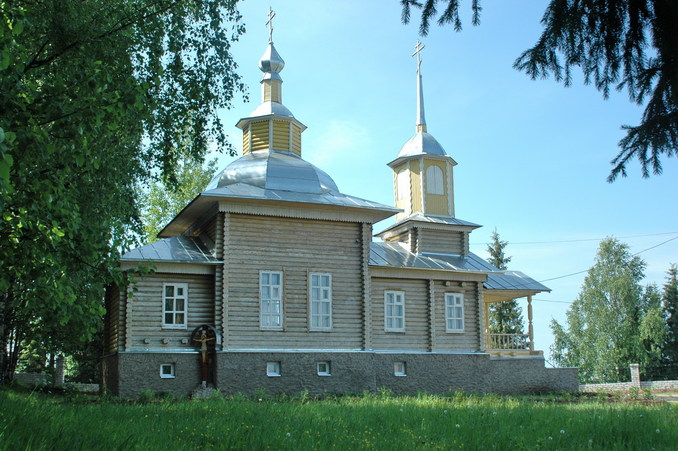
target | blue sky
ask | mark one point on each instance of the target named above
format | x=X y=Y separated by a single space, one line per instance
x=533 y=156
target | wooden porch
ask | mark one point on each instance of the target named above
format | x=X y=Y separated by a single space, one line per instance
x=510 y=345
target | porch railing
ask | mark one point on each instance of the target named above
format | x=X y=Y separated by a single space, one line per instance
x=507 y=341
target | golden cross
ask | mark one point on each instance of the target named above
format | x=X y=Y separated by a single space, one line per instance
x=269 y=23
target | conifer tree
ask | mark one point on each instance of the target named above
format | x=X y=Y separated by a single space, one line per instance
x=629 y=45
x=506 y=317
x=652 y=332
x=670 y=304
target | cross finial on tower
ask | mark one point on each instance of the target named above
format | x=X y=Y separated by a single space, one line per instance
x=269 y=23
x=421 y=121
x=417 y=51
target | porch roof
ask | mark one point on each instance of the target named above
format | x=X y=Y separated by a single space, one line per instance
x=397 y=255
x=186 y=249
x=507 y=285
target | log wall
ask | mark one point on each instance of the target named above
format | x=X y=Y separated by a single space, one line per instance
x=145 y=305
x=297 y=247
x=417 y=326
x=441 y=241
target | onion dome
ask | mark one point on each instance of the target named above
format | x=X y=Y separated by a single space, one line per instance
x=271 y=63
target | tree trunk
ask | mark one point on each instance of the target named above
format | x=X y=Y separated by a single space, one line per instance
x=8 y=343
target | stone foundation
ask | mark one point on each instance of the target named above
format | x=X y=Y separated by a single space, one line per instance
x=137 y=372
x=355 y=372
x=128 y=374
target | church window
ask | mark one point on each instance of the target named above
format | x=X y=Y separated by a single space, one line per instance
x=270 y=294
x=394 y=311
x=434 y=180
x=402 y=185
x=175 y=305
x=167 y=371
x=454 y=312
x=321 y=301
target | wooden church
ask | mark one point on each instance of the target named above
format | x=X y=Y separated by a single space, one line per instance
x=270 y=279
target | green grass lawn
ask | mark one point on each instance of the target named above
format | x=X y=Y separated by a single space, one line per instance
x=39 y=421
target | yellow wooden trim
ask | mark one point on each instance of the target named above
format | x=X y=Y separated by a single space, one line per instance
x=415 y=170
x=281 y=136
x=246 y=141
x=260 y=135
x=296 y=139
x=266 y=91
x=436 y=204
x=276 y=91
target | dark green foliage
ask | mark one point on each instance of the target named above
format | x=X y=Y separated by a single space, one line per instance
x=652 y=330
x=95 y=97
x=670 y=305
x=429 y=11
x=84 y=365
x=505 y=317
x=629 y=45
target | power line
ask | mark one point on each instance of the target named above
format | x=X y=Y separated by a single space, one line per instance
x=549 y=300
x=566 y=275
x=663 y=242
x=639 y=252
x=581 y=240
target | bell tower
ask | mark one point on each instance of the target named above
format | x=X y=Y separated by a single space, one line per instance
x=423 y=187
x=422 y=173
x=271 y=126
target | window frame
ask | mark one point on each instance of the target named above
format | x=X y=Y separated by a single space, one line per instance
x=172 y=368
x=435 y=180
x=273 y=369
x=174 y=311
x=395 y=294
x=402 y=184
x=328 y=368
x=458 y=302
x=314 y=326
x=262 y=315
x=400 y=369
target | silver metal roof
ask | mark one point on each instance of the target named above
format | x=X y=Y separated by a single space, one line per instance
x=271 y=61
x=397 y=255
x=513 y=280
x=431 y=219
x=421 y=143
x=175 y=249
x=435 y=219
x=245 y=191
x=269 y=108
x=275 y=170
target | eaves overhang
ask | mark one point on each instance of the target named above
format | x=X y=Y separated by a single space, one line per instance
x=404 y=272
x=269 y=110
x=432 y=222
x=400 y=160
x=252 y=200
